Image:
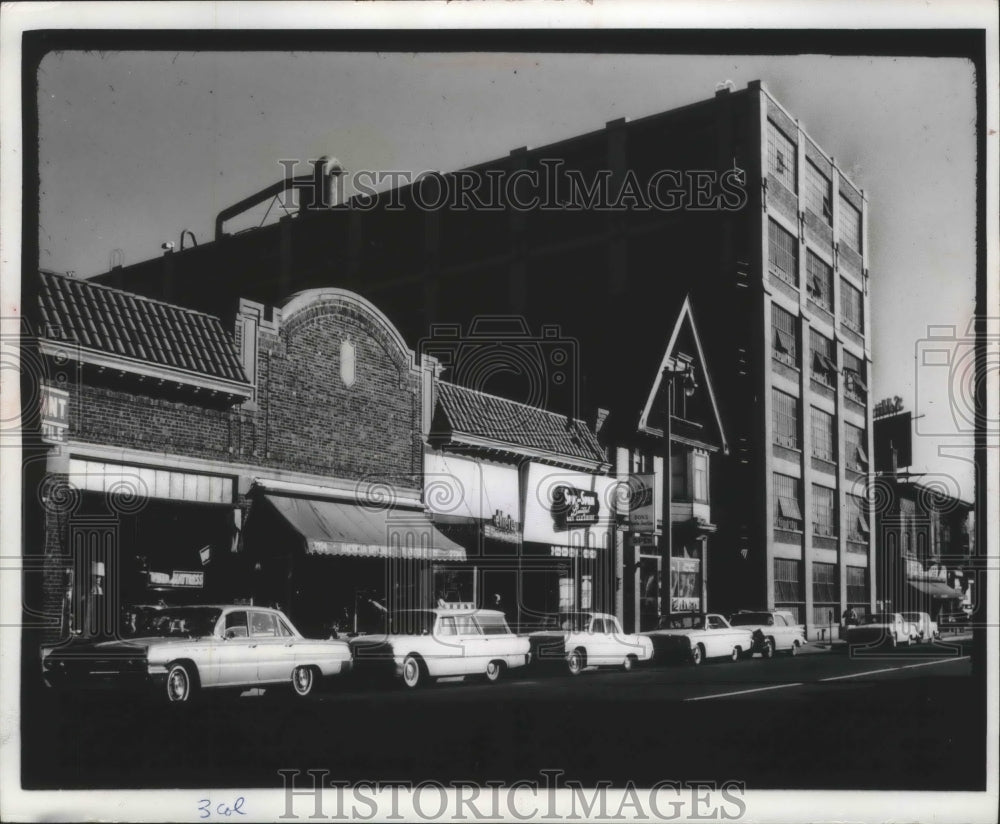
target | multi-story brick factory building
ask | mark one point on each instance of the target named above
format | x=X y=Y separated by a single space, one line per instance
x=728 y=201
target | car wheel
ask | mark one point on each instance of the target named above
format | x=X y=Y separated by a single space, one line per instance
x=303 y=681
x=629 y=663
x=494 y=669
x=794 y=650
x=893 y=642
x=413 y=672
x=768 y=649
x=697 y=654
x=735 y=654
x=182 y=683
x=575 y=662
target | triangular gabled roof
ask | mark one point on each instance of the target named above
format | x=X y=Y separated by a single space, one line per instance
x=669 y=359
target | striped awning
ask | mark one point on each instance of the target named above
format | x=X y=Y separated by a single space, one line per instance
x=341 y=528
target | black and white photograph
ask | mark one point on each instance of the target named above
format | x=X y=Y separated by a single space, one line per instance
x=499 y=411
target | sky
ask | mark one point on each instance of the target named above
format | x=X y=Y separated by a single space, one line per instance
x=137 y=146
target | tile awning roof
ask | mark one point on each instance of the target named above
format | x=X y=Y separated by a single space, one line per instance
x=470 y=412
x=121 y=324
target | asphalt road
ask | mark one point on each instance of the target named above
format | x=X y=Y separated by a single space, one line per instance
x=904 y=719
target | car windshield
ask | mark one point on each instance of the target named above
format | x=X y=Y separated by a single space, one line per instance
x=748 y=619
x=682 y=622
x=417 y=622
x=575 y=622
x=176 y=622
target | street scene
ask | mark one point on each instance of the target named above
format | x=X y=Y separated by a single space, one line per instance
x=625 y=434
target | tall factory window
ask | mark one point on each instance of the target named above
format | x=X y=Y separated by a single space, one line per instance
x=817 y=193
x=824 y=358
x=788 y=593
x=857 y=591
x=854 y=378
x=787 y=493
x=819 y=281
x=785 y=346
x=850 y=224
x=823 y=510
x=826 y=595
x=785 y=409
x=781 y=156
x=855 y=448
x=782 y=253
x=822 y=435
x=851 y=307
x=857 y=519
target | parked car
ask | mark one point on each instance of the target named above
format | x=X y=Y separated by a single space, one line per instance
x=179 y=651
x=696 y=636
x=925 y=628
x=773 y=630
x=882 y=627
x=589 y=639
x=433 y=643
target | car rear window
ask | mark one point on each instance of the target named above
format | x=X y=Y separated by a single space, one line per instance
x=747 y=619
x=492 y=624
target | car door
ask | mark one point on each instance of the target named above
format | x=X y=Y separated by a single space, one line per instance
x=603 y=649
x=718 y=639
x=275 y=654
x=448 y=650
x=236 y=655
x=473 y=644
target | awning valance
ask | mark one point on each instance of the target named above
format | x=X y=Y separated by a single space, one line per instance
x=339 y=528
x=936 y=589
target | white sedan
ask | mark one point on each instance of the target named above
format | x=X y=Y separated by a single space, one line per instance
x=773 y=631
x=925 y=628
x=696 y=636
x=179 y=651
x=436 y=643
x=589 y=639
x=882 y=627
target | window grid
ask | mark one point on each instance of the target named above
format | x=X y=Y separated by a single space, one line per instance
x=857 y=519
x=782 y=254
x=788 y=581
x=850 y=224
x=825 y=590
x=824 y=359
x=699 y=473
x=785 y=344
x=855 y=454
x=787 y=514
x=857 y=586
x=785 y=417
x=819 y=281
x=854 y=378
x=824 y=522
x=817 y=193
x=851 y=307
x=822 y=435
x=782 y=156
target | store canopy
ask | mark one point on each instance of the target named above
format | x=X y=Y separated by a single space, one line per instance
x=936 y=589
x=341 y=528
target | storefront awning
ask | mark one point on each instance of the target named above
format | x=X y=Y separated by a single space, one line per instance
x=936 y=589
x=339 y=528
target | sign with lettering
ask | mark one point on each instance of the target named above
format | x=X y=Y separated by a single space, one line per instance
x=642 y=503
x=178 y=579
x=574 y=507
x=502 y=527
x=685 y=604
x=54 y=409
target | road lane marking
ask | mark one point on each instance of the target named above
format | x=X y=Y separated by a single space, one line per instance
x=743 y=692
x=832 y=678
x=894 y=669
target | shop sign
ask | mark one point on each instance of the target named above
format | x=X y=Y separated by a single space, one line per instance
x=642 y=503
x=502 y=527
x=573 y=552
x=177 y=579
x=685 y=604
x=54 y=413
x=644 y=539
x=574 y=507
